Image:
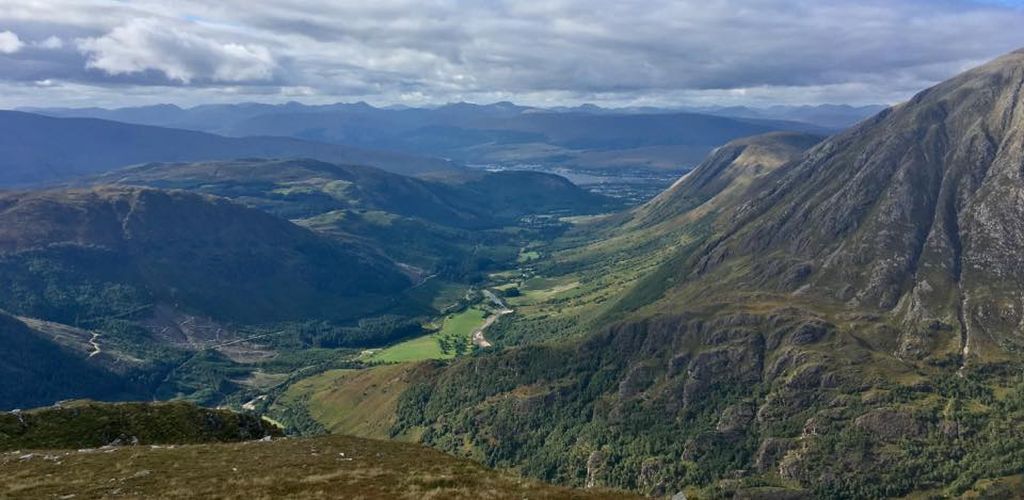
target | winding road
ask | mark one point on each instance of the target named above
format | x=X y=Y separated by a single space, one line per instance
x=503 y=309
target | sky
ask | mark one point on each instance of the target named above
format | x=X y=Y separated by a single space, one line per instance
x=543 y=53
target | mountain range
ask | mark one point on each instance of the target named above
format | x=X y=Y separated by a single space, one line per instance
x=37 y=149
x=496 y=134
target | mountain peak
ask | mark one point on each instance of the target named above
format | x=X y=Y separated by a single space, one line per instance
x=915 y=213
x=727 y=171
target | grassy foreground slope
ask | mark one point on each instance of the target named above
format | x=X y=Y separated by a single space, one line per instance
x=326 y=467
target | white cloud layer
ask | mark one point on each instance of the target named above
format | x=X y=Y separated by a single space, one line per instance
x=659 y=52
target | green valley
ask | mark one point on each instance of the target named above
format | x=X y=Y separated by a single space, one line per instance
x=749 y=250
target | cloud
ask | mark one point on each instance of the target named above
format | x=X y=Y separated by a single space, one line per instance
x=142 y=45
x=9 y=42
x=621 y=52
x=50 y=43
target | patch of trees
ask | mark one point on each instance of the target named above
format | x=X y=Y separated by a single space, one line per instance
x=369 y=332
x=550 y=411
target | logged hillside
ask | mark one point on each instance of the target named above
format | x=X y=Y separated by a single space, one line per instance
x=847 y=328
x=40 y=149
x=36 y=371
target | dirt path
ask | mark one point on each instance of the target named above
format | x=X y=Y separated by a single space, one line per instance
x=95 y=343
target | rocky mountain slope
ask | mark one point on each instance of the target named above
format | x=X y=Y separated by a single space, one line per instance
x=848 y=328
x=724 y=176
x=913 y=213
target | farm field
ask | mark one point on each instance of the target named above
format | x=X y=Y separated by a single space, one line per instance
x=452 y=338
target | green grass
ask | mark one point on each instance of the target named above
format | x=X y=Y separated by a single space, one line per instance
x=457 y=328
x=463 y=324
x=358 y=403
x=528 y=256
x=418 y=349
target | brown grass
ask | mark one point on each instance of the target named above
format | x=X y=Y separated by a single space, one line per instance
x=324 y=467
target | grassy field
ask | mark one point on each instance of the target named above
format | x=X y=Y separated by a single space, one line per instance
x=323 y=467
x=417 y=349
x=528 y=256
x=456 y=328
x=353 y=402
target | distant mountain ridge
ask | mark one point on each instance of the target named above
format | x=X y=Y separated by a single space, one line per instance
x=297 y=188
x=823 y=115
x=500 y=133
x=40 y=149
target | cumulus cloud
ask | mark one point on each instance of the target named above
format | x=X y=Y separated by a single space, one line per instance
x=142 y=45
x=655 y=52
x=9 y=42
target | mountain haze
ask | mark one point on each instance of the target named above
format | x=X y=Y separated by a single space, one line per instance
x=500 y=133
x=40 y=149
